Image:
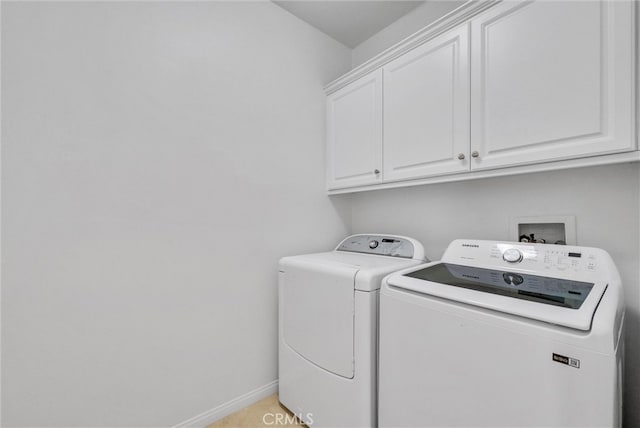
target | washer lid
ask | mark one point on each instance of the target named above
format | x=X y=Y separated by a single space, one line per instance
x=559 y=301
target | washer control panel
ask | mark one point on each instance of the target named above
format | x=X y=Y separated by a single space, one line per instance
x=539 y=257
x=380 y=245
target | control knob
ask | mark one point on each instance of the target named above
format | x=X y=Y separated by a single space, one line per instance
x=512 y=255
x=373 y=244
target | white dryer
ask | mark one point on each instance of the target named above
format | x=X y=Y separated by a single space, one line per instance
x=328 y=327
x=503 y=334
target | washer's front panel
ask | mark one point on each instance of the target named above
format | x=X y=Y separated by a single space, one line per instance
x=446 y=365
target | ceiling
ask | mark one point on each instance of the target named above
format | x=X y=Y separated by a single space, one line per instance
x=349 y=22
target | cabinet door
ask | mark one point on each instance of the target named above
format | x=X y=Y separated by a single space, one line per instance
x=354 y=133
x=551 y=80
x=426 y=109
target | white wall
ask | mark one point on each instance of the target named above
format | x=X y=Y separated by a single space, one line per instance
x=605 y=201
x=415 y=20
x=158 y=159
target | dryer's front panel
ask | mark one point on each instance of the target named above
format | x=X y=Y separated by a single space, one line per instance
x=318 y=314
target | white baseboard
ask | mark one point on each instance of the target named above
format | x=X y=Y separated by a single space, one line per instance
x=219 y=412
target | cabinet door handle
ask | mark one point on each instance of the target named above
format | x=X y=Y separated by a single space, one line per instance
x=461 y=156
x=475 y=154
x=376 y=171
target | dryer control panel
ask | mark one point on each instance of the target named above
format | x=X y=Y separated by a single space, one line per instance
x=382 y=245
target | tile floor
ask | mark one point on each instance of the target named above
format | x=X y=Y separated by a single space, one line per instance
x=265 y=413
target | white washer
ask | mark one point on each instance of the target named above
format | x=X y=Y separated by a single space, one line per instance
x=328 y=319
x=503 y=334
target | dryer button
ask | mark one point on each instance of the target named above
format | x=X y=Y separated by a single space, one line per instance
x=373 y=244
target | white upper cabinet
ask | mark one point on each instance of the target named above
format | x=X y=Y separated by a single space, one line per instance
x=495 y=88
x=354 y=133
x=551 y=80
x=426 y=109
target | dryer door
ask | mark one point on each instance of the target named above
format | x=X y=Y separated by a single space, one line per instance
x=318 y=309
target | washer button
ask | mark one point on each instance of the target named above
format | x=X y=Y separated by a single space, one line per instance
x=512 y=255
x=373 y=244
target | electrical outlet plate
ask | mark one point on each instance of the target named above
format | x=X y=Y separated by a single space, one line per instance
x=553 y=229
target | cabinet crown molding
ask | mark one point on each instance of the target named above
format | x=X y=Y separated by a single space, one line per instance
x=459 y=15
